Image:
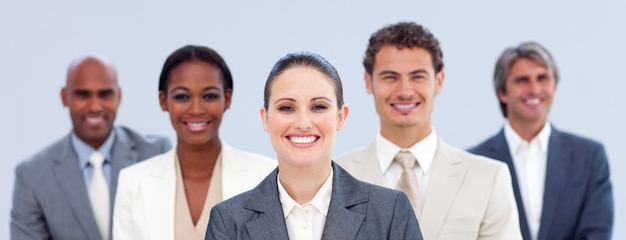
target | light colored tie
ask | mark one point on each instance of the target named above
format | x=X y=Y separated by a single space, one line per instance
x=408 y=180
x=99 y=194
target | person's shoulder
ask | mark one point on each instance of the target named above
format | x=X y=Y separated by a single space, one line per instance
x=234 y=208
x=486 y=144
x=143 y=167
x=475 y=160
x=358 y=186
x=141 y=139
x=247 y=156
x=355 y=154
x=377 y=191
x=45 y=156
x=352 y=153
x=576 y=140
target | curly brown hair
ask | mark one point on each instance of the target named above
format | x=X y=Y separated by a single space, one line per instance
x=401 y=35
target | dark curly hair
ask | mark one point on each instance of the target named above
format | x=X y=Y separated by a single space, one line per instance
x=401 y=35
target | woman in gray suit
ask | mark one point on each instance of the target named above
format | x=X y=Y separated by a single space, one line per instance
x=309 y=196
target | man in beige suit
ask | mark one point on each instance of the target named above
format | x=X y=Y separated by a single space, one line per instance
x=456 y=195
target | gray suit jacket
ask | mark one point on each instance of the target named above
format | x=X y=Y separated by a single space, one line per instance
x=49 y=198
x=357 y=210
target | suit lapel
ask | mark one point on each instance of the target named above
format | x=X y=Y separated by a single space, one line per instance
x=341 y=223
x=72 y=184
x=271 y=222
x=556 y=179
x=500 y=151
x=124 y=154
x=446 y=177
x=159 y=196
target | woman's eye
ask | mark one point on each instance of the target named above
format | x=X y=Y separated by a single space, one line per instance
x=319 y=107
x=181 y=97
x=211 y=96
x=285 y=109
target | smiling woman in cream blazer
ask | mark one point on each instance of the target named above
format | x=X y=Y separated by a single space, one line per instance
x=170 y=196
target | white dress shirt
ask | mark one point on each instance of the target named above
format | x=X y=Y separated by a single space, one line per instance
x=306 y=222
x=424 y=152
x=530 y=160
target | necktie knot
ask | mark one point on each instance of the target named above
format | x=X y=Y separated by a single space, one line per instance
x=405 y=159
x=96 y=159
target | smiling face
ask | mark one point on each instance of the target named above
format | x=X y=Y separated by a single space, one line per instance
x=196 y=101
x=302 y=117
x=92 y=96
x=530 y=88
x=404 y=85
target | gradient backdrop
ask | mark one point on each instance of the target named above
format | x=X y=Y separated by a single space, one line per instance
x=39 y=38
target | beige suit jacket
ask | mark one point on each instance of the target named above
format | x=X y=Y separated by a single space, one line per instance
x=145 y=201
x=468 y=196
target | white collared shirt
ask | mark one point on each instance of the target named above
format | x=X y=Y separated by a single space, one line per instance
x=306 y=222
x=530 y=160
x=424 y=152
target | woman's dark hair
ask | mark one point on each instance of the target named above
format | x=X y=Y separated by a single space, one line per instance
x=305 y=59
x=192 y=53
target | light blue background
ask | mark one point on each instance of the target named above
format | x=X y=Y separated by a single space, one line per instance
x=39 y=38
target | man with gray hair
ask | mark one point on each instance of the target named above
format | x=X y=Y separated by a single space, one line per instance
x=65 y=191
x=561 y=181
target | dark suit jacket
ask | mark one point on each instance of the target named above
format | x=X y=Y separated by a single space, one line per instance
x=578 y=197
x=357 y=210
x=49 y=198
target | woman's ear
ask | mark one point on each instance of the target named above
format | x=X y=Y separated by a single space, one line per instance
x=163 y=101
x=264 y=120
x=342 y=116
x=228 y=96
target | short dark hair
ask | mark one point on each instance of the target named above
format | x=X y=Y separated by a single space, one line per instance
x=192 y=53
x=403 y=35
x=306 y=59
x=528 y=50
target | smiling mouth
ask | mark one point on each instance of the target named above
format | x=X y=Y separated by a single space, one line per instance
x=533 y=101
x=94 y=120
x=196 y=126
x=303 y=140
x=404 y=107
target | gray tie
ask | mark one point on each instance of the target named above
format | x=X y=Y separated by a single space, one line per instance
x=408 y=180
x=99 y=195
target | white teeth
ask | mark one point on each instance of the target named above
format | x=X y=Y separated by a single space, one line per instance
x=533 y=101
x=196 y=126
x=302 y=140
x=94 y=119
x=404 y=106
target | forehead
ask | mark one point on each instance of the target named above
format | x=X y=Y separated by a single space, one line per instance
x=302 y=81
x=195 y=72
x=527 y=66
x=390 y=57
x=91 y=73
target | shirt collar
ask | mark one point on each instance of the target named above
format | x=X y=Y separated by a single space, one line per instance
x=83 y=150
x=321 y=200
x=514 y=140
x=424 y=151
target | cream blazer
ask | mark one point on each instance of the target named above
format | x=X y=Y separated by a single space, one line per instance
x=146 y=192
x=468 y=196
